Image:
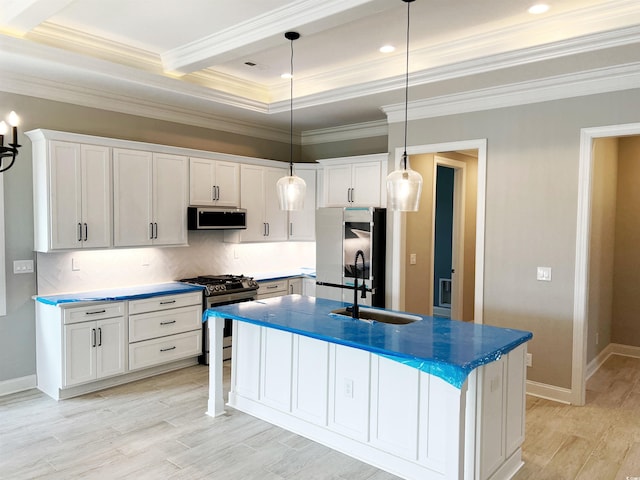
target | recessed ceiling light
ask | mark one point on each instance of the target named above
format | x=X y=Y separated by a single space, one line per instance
x=387 y=49
x=286 y=76
x=538 y=8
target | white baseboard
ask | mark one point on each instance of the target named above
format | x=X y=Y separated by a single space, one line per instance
x=15 y=385
x=549 y=392
x=611 y=349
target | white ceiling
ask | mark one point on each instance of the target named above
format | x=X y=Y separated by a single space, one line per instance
x=188 y=57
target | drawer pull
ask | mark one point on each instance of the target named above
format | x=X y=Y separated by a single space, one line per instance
x=167 y=323
x=168 y=302
x=167 y=349
x=270 y=287
x=95 y=312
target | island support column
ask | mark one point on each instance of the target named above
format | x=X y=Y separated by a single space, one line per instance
x=216 y=399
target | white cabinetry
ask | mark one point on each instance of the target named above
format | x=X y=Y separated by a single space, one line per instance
x=164 y=329
x=214 y=183
x=273 y=288
x=258 y=195
x=302 y=224
x=354 y=181
x=72 y=194
x=94 y=349
x=150 y=198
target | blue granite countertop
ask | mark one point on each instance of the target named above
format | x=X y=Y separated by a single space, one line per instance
x=120 y=294
x=449 y=349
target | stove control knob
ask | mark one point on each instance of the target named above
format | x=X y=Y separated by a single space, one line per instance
x=223 y=287
x=216 y=288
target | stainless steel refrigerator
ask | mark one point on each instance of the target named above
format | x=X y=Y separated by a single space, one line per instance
x=340 y=233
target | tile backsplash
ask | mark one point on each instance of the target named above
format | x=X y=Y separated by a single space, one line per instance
x=206 y=254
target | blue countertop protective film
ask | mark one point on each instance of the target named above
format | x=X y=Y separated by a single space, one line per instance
x=120 y=294
x=448 y=349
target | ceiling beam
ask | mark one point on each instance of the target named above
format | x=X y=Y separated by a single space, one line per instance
x=265 y=31
x=21 y=16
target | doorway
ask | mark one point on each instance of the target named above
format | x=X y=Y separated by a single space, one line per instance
x=401 y=262
x=583 y=249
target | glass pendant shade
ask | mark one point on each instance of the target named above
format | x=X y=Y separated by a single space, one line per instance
x=291 y=192
x=404 y=187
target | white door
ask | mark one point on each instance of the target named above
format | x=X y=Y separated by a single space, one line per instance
x=132 y=222
x=65 y=178
x=80 y=340
x=110 y=348
x=252 y=198
x=277 y=220
x=201 y=181
x=302 y=224
x=337 y=185
x=96 y=196
x=227 y=181
x=366 y=184
x=170 y=199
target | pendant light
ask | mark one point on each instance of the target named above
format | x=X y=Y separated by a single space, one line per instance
x=405 y=185
x=291 y=189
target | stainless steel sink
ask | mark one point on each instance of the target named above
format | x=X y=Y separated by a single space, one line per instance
x=373 y=315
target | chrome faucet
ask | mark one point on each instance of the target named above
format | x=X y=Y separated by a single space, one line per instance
x=355 y=310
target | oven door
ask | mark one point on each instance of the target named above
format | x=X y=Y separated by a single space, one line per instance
x=216 y=301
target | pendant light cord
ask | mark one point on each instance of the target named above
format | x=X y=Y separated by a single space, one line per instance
x=291 y=114
x=406 y=89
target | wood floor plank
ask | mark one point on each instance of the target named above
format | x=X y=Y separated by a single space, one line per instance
x=156 y=429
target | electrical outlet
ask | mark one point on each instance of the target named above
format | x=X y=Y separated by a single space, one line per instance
x=348 y=388
x=75 y=264
x=544 y=274
x=413 y=259
x=529 y=359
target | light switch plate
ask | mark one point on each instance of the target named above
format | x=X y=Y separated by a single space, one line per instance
x=544 y=274
x=23 y=266
x=413 y=259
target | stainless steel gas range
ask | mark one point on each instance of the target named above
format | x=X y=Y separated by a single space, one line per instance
x=222 y=290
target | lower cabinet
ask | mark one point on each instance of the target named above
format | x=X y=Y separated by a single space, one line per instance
x=393 y=415
x=84 y=348
x=93 y=350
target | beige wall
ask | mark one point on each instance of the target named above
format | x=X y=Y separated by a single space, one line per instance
x=601 y=253
x=419 y=238
x=531 y=211
x=361 y=146
x=626 y=283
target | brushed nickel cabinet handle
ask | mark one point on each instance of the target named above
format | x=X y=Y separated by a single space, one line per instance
x=167 y=349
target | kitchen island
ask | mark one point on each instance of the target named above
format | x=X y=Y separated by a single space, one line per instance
x=430 y=399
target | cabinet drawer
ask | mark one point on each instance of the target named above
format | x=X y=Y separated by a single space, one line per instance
x=164 y=302
x=165 y=349
x=160 y=324
x=93 y=312
x=273 y=289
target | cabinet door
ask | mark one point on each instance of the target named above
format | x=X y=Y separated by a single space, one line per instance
x=277 y=220
x=96 y=196
x=365 y=184
x=110 y=348
x=65 y=183
x=337 y=184
x=132 y=222
x=295 y=286
x=252 y=199
x=302 y=224
x=201 y=181
x=170 y=199
x=227 y=181
x=79 y=353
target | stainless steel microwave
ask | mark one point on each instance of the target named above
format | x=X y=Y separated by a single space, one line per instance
x=216 y=218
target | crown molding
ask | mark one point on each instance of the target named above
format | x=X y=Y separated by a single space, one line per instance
x=118 y=102
x=589 y=82
x=346 y=132
x=257 y=31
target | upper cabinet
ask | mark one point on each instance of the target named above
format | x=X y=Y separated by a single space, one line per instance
x=150 y=198
x=302 y=224
x=72 y=194
x=214 y=183
x=354 y=181
x=258 y=195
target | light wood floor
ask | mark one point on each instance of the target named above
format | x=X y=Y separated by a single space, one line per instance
x=156 y=429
